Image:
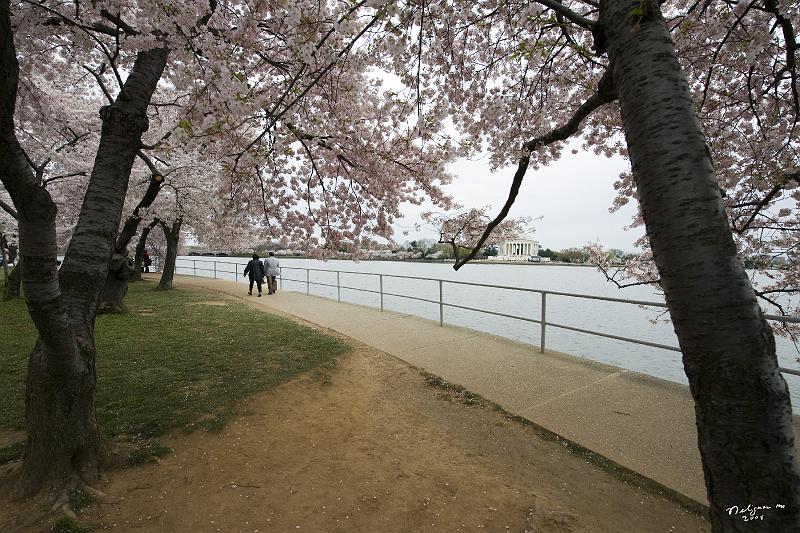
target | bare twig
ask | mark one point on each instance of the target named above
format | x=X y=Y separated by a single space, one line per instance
x=236 y=485
x=613 y=279
x=46 y=182
x=786 y=178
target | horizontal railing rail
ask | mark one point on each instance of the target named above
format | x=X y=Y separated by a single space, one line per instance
x=542 y=321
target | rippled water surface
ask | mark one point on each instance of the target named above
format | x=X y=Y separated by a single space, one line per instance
x=613 y=318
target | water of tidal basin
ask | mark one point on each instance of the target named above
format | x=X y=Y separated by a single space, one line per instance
x=608 y=317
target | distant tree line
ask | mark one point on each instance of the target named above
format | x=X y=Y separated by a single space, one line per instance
x=428 y=248
x=570 y=255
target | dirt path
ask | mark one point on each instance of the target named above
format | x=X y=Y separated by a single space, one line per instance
x=374 y=448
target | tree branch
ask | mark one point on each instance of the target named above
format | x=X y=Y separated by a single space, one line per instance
x=149 y=163
x=8 y=209
x=158 y=142
x=606 y=93
x=47 y=181
x=36 y=217
x=560 y=8
x=790 y=40
x=118 y=21
x=273 y=115
x=132 y=223
x=100 y=83
x=794 y=176
x=612 y=278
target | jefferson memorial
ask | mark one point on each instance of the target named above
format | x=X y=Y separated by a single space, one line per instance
x=516 y=250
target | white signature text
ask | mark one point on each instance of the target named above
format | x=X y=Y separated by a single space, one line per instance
x=752 y=512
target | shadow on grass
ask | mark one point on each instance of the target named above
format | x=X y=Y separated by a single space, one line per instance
x=170 y=361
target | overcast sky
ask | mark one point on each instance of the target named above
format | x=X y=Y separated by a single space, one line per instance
x=572 y=196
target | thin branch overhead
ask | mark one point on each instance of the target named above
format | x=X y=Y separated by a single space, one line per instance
x=606 y=93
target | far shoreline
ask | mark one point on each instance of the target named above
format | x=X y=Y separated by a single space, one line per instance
x=387 y=260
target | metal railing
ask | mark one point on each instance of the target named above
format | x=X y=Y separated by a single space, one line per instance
x=214 y=270
x=542 y=321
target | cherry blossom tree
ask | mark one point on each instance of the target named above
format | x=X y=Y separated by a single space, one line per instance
x=57 y=132
x=220 y=228
x=534 y=74
x=321 y=153
x=184 y=173
x=746 y=96
x=141 y=247
x=332 y=174
x=289 y=48
x=64 y=443
x=463 y=229
x=187 y=203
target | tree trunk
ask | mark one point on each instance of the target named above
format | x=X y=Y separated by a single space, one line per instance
x=59 y=401
x=120 y=272
x=172 y=235
x=744 y=417
x=140 y=247
x=13 y=282
x=64 y=443
x=4 y=257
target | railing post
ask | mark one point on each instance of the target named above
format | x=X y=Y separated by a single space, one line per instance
x=441 y=304
x=215 y=270
x=280 y=277
x=380 y=281
x=338 y=288
x=194 y=267
x=308 y=281
x=543 y=321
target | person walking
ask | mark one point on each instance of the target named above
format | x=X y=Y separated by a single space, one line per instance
x=255 y=270
x=272 y=269
x=146 y=261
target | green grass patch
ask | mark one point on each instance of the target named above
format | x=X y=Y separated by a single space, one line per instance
x=171 y=361
x=67 y=525
x=78 y=500
x=452 y=392
x=17 y=337
x=147 y=453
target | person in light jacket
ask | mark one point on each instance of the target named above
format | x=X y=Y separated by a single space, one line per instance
x=271 y=270
x=255 y=270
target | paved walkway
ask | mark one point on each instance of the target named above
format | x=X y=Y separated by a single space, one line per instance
x=643 y=423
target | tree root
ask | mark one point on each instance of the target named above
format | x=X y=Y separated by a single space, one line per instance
x=97 y=495
x=61 y=498
x=61 y=502
x=10 y=471
x=69 y=513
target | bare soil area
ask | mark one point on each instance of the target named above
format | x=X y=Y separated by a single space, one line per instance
x=371 y=448
x=9 y=437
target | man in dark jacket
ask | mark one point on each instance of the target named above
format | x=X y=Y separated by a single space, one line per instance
x=255 y=270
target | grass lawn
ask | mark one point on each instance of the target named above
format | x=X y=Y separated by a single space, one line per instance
x=171 y=361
